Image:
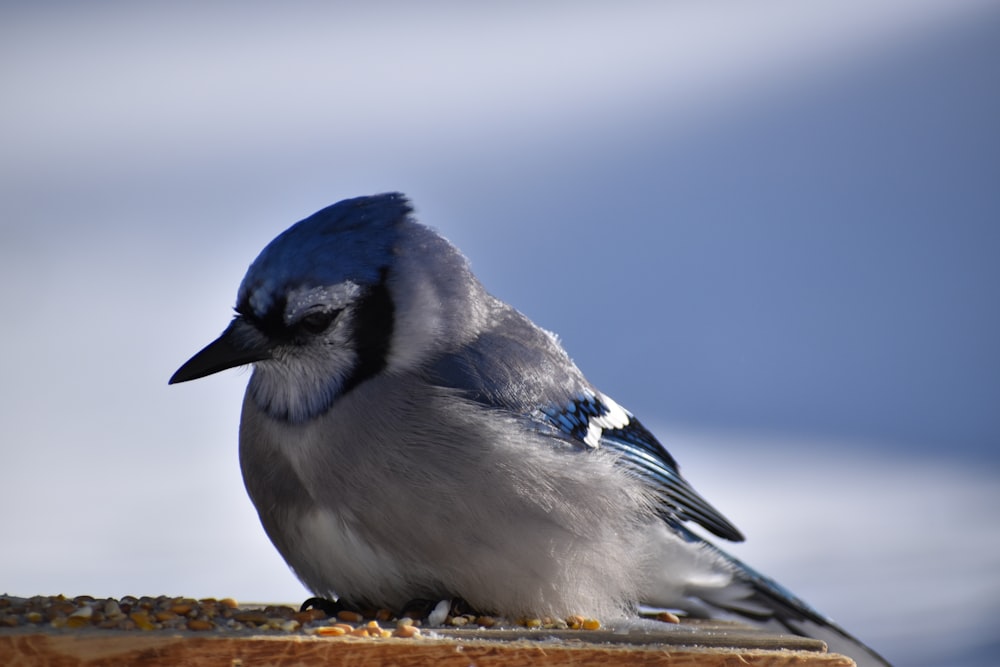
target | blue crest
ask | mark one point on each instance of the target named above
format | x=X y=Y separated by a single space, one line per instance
x=350 y=240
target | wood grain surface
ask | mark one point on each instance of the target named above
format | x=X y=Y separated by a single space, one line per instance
x=692 y=647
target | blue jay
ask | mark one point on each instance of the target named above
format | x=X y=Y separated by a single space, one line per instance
x=406 y=435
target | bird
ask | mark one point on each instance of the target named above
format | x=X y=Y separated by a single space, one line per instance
x=406 y=435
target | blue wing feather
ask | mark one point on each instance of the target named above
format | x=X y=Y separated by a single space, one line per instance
x=641 y=453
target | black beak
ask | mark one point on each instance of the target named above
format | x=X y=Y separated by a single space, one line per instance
x=235 y=347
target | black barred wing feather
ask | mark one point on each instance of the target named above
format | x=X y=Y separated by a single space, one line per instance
x=597 y=421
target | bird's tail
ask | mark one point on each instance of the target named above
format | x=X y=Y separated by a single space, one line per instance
x=755 y=598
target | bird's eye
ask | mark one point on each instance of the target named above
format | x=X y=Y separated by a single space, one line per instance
x=318 y=321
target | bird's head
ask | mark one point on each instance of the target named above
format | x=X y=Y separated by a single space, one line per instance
x=320 y=309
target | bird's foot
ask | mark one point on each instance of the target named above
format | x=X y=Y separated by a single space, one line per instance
x=330 y=607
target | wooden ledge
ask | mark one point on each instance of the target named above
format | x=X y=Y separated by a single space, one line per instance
x=690 y=644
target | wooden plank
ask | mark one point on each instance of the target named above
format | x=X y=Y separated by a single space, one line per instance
x=53 y=631
x=484 y=648
x=154 y=650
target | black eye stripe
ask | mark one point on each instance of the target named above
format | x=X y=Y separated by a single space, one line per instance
x=373 y=319
x=318 y=321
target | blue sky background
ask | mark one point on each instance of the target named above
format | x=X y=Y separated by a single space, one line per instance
x=770 y=229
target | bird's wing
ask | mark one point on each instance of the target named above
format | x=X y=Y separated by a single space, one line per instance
x=522 y=369
x=597 y=421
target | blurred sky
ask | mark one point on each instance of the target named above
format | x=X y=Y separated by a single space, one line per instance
x=770 y=229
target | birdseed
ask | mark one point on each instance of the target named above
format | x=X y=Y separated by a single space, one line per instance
x=165 y=613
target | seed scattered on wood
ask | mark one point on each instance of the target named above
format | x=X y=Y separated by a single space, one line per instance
x=141 y=620
x=112 y=610
x=309 y=615
x=169 y=613
x=200 y=624
x=350 y=616
x=406 y=631
x=254 y=616
x=81 y=617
